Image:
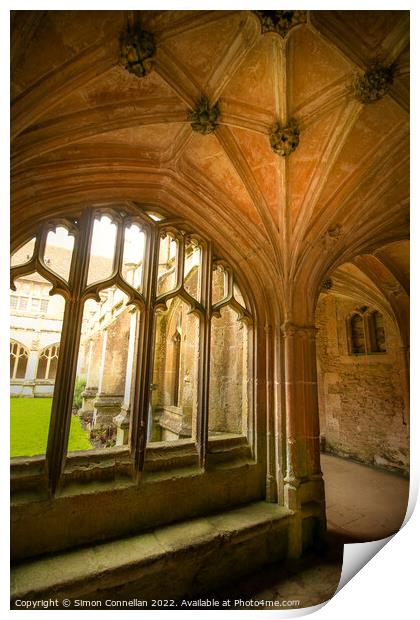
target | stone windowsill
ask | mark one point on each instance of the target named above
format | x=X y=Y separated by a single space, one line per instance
x=111 y=464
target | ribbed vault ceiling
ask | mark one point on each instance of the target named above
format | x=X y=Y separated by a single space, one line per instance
x=84 y=129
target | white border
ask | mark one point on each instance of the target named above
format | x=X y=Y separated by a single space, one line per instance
x=387 y=586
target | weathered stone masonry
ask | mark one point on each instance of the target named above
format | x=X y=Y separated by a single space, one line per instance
x=361 y=400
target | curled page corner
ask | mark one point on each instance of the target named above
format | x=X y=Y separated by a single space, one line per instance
x=356 y=556
x=290 y=613
x=412 y=500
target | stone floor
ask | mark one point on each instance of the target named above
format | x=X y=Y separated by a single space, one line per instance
x=363 y=504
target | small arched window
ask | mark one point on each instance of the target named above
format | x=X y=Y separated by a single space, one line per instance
x=365 y=332
x=47 y=363
x=18 y=360
x=378 y=333
x=357 y=334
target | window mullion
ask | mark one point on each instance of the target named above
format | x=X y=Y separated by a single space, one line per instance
x=47 y=368
x=144 y=354
x=204 y=360
x=67 y=361
x=15 y=365
x=368 y=333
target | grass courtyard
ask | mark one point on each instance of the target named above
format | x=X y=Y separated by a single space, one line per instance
x=29 y=423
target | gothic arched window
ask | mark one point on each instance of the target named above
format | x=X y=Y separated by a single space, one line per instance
x=365 y=332
x=357 y=334
x=378 y=332
x=18 y=360
x=155 y=338
x=47 y=363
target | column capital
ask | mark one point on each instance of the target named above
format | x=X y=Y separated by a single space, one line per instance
x=289 y=329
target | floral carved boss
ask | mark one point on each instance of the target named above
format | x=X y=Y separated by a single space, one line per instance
x=137 y=50
x=204 y=117
x=284 y=139
x=280 y=21
x=375 y=83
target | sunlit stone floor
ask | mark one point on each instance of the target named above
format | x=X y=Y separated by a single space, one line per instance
x=363 y=504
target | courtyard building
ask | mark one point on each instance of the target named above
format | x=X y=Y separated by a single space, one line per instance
x=209 y=332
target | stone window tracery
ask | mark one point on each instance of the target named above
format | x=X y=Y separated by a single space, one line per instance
x=47 y=364
x=18 y=360
x=365 y=332
x=156 y=331
x=358 y=343
x=378 y=331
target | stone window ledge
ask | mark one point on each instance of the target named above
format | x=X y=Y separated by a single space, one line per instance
x=113 y=465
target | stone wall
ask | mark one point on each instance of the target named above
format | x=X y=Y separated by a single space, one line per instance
x=361 y=397
x=175 y=374
x=228 y=398
x=115 y=362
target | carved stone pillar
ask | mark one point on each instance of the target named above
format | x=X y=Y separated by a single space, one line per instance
x=88 y=397
x=89 y=363
x=273 y=456
x=112 y=376
x=102 y=364
x=102 y=414
x=92 y=377
x=404 y=354
x=28 y=389
x=122 y=420
x=304 y=487
x=106 y=407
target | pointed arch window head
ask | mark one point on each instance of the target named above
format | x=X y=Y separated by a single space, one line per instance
x=366 y=332
x=31 y=296
x=192 y=267
x=102 y=249
x=23 y=254
x=219 y=283
x=168 y=260
x=19 y=356
x=58 y=251
x=156 y=335
x=358 y=341
x=133 y=257
x=378 y=332
x=47 y=364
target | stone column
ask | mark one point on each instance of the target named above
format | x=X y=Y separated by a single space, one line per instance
x=404 y=355
x=122 y=421
x=89 y=364
x=97 y=403
x=89 y=393
x=304 y=488
x=112 y=377
x=271 y=487
x=28 y=388
x=103 y=354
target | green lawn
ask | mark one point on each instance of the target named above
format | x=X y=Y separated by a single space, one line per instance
x=29 y=422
